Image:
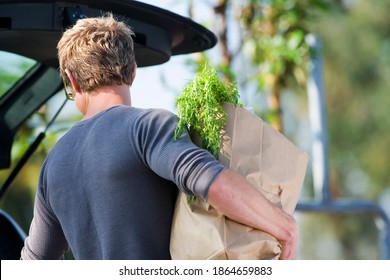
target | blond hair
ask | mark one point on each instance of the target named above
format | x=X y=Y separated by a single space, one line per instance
x=98 y=52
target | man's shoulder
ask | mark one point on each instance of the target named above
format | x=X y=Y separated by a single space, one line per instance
x=135 y=112
x=154 y=115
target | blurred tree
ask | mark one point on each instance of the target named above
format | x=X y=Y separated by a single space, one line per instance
x=357 y=56
x=272 y=38
x=274 y=34
x=357 y=66
x=357 y=62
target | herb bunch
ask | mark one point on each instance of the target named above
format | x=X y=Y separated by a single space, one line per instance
x=200 y=109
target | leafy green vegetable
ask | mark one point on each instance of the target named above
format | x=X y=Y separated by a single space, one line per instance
x=200 y=110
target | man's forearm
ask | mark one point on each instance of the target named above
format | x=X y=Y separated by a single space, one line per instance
x=236 y=198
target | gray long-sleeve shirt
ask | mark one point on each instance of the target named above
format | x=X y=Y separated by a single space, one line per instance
x=108 y=187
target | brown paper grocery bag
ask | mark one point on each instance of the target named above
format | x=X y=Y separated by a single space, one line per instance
x=273 y=164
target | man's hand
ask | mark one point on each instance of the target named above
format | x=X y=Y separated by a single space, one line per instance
x=236 y=198
x=289 y=244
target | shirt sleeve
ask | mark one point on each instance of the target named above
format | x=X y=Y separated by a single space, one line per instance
x=45 y=240
x=191 y=168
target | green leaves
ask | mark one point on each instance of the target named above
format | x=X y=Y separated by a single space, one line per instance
x=200 y=110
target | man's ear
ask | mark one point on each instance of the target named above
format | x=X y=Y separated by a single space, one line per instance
x=74 y=83
x=134 y=73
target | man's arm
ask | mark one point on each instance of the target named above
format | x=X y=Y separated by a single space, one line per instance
x=46 y=240
x=236 y=198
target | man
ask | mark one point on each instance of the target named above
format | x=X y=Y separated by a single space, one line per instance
x=107 y=189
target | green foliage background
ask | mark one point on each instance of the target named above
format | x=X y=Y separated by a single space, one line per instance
x=355 y=50
x=356 y=53
x=356 y=59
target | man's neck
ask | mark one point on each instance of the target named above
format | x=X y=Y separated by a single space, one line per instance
x=105 y=97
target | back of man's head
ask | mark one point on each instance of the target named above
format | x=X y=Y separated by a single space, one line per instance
x=98 y=52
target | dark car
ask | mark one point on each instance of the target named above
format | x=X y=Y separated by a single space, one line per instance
x=32 y=28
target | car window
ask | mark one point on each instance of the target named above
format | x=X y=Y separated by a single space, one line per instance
x=12 y=68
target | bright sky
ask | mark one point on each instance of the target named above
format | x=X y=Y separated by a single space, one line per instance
x=148 y=89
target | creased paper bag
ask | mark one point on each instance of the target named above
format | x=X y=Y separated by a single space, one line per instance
x=273 y=164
